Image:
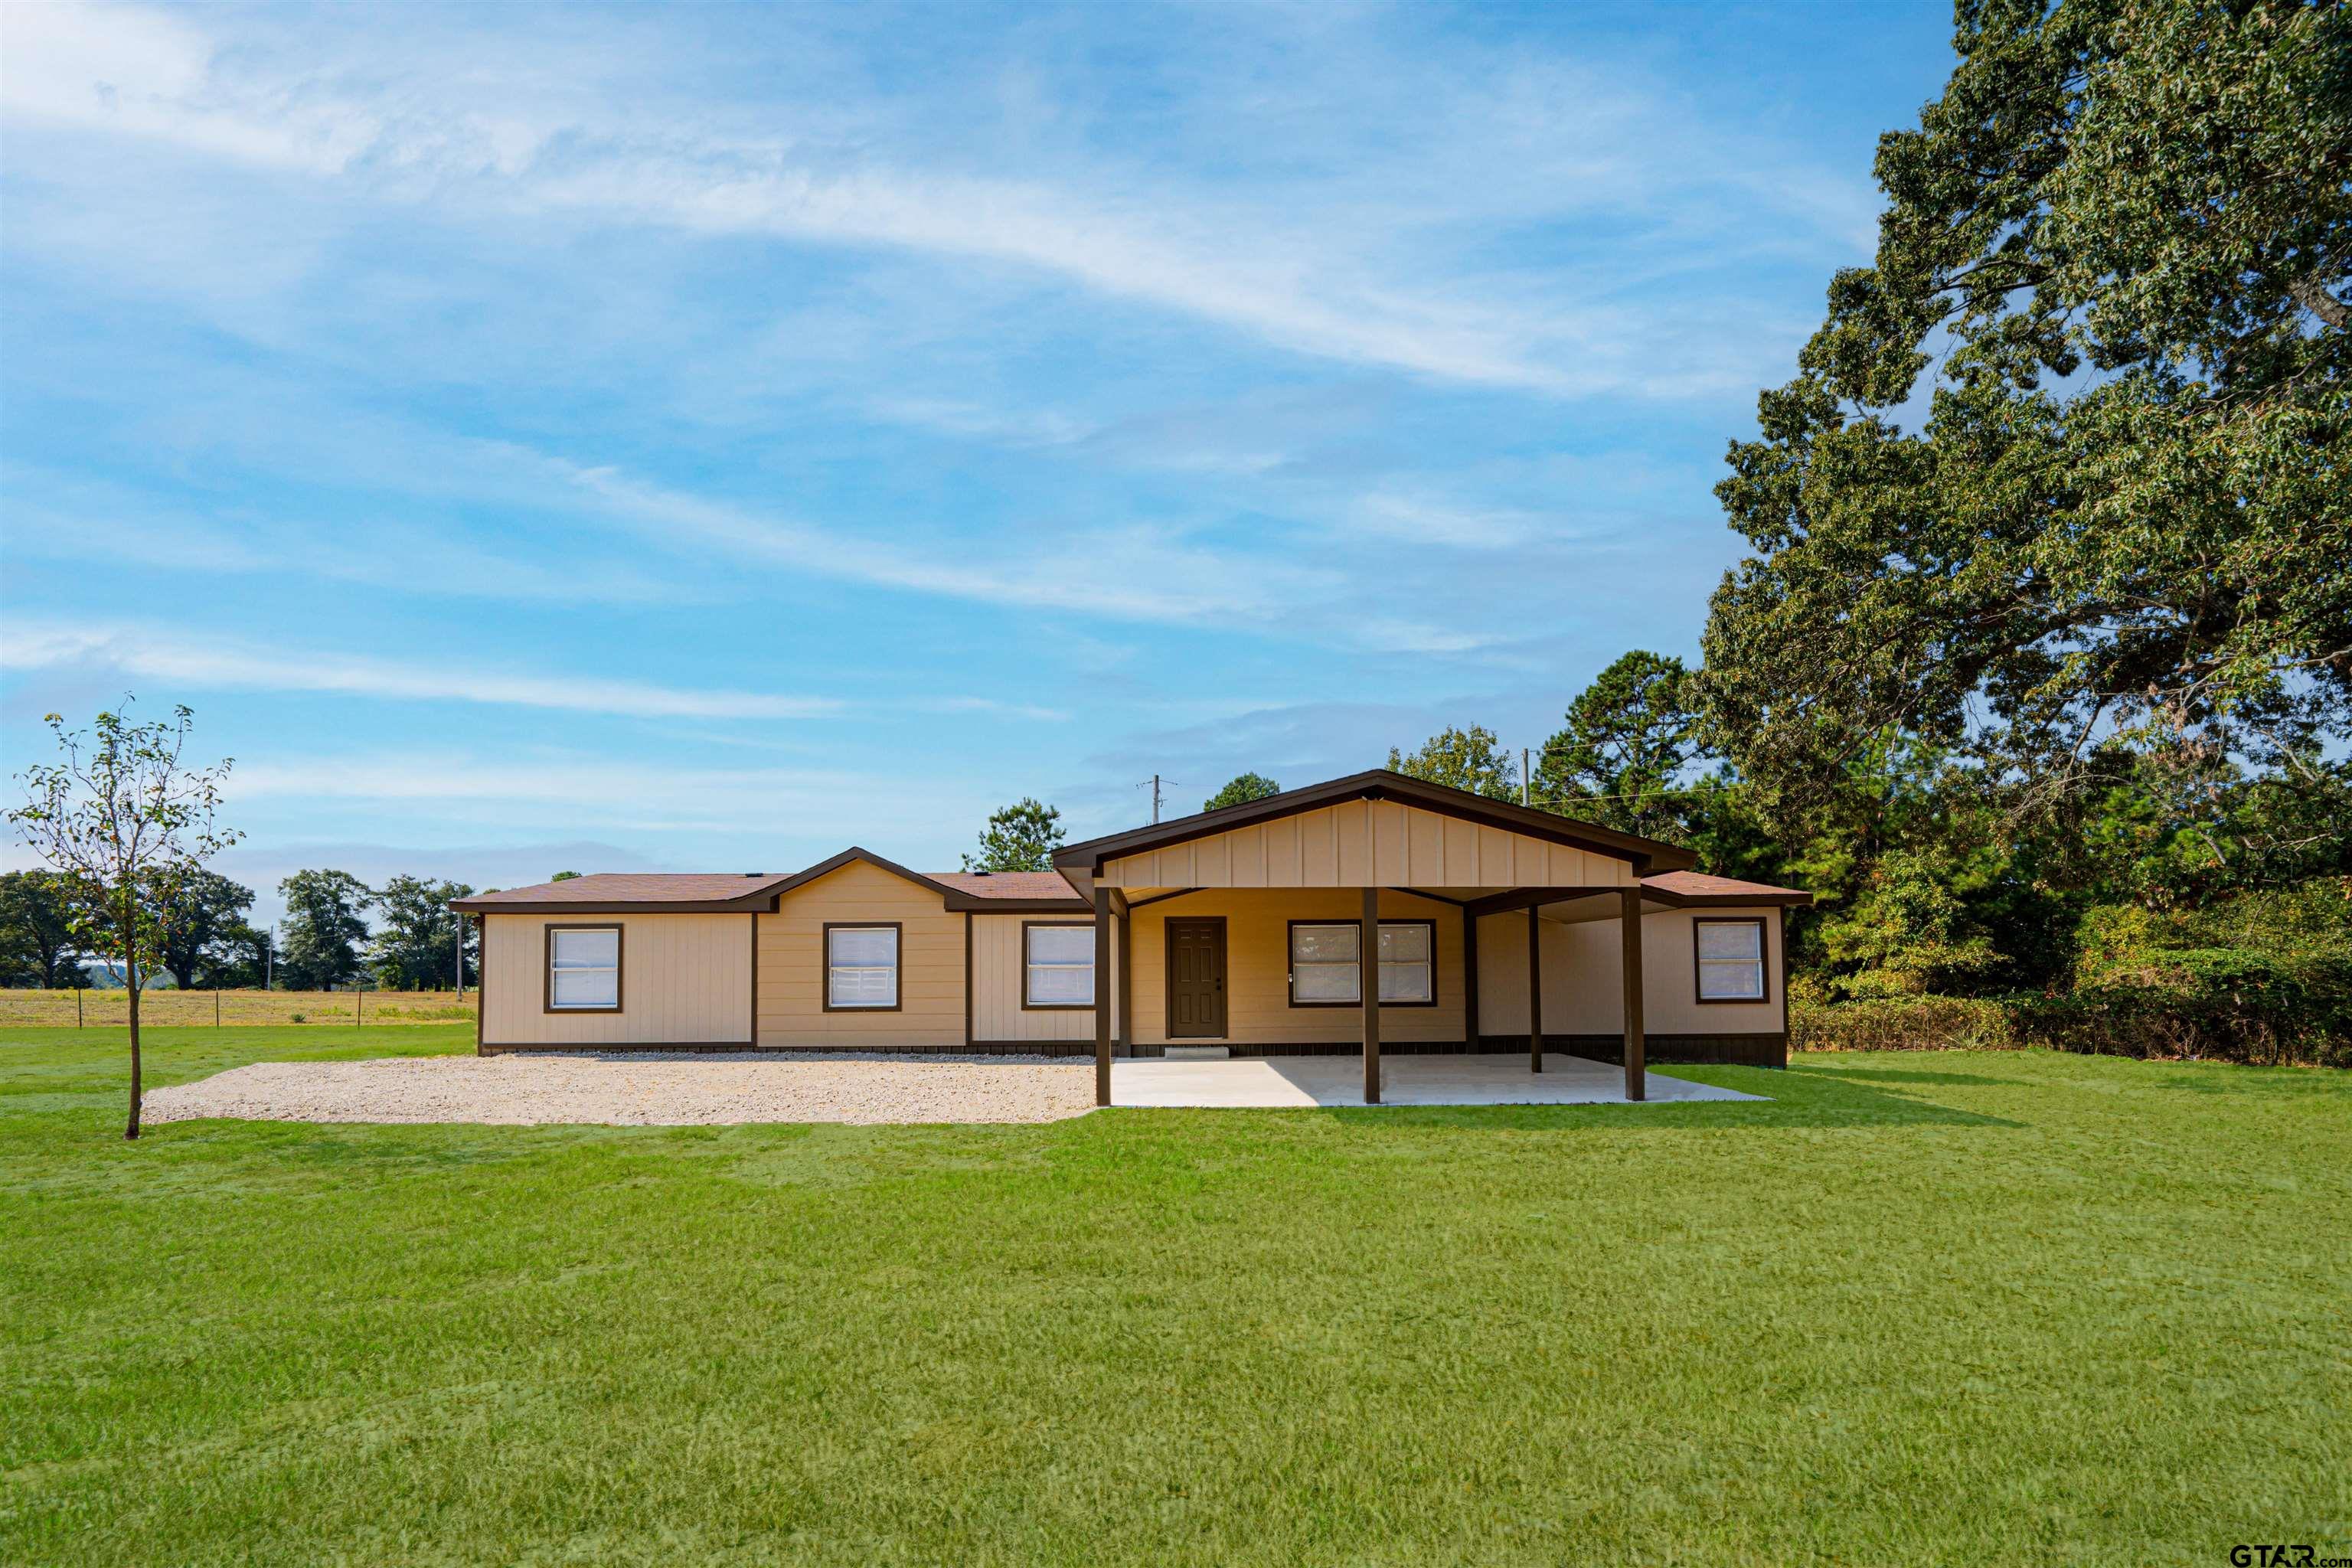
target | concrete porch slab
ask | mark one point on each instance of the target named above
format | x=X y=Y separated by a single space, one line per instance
x=1483 y=1079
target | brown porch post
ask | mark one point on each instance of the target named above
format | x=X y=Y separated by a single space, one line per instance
x=1630 y=922
x=1368 y=972
x=1126 y=978
x=1535 y=992
x=1469 y=981
x=1102 y=995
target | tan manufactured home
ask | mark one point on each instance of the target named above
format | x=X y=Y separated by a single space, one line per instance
x=1237 y=931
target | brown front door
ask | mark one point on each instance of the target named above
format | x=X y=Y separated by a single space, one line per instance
x=1196 y=979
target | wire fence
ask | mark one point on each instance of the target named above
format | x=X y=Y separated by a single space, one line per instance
x=225 y=1009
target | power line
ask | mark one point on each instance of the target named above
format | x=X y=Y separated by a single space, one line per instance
x=1155 y=785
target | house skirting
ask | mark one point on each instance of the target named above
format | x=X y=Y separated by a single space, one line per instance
x=1735 y=1050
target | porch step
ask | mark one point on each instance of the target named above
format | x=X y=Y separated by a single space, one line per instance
x=1197 y=1053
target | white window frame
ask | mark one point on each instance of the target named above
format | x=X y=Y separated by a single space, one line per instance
x=895 y=968
x=555 y=935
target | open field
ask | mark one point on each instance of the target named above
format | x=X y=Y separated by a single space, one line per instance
x=69 y=1009
x=1962 y=1308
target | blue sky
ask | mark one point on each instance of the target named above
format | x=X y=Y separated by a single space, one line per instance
x=699 y=439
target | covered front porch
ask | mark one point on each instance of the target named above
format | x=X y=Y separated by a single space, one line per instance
x=1350 y=916
x=1484 y=1079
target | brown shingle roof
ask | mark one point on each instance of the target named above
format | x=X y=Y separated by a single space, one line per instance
x=602 y=889
x=1013 y=886
x=1697 y=887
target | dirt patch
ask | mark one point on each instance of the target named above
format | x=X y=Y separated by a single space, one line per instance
x=639 y=1091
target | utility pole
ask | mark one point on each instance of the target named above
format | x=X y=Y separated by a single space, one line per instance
x=1524 y=776
x=270 y=960
x=1154 y=786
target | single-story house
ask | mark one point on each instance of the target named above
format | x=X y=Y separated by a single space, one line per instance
x=1241 y=931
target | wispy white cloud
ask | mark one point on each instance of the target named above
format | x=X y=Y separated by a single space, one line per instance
x=218 y=664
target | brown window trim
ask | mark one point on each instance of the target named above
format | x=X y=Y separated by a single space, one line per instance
x=1027 y=1004
x=1763 y=963
x=1290 y=978
x=547 y=964
x=825 y=967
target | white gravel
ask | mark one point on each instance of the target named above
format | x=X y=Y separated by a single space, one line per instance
x=640 y=1089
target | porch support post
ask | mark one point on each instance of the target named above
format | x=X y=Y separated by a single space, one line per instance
x=1629 y=921
x=1102 y=995
x=1368 y=967
x=1469 y=981
x=1535 y=992
x=1127 y=979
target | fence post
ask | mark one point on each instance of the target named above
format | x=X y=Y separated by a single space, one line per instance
x=77 y=1006
x=215 y=1007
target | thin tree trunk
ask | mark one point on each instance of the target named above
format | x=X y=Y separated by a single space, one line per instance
x=130 y=975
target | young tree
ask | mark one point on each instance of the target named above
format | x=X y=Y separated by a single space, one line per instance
x=1630 y=737
x=2122 y=240
x=416 y=946
x=1467 y=759
x=206 y=910
x=37 y=923
x=124 y=818
x=1242 y=790
x=323 y=928
x=1021 y=837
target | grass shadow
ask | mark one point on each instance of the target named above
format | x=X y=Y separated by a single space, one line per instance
x=1795 y=1097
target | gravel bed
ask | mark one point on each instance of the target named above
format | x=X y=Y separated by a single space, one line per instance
x=641 y=1089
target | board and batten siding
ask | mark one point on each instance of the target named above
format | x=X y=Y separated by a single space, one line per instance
x=1381 y=842
x=685 y=980
x=1583 y=984
x=998 y=982
x=930 y=1015
x=1258 y=1012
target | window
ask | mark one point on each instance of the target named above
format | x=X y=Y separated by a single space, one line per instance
x=1057 y=966
x=861 y=968
x=1327 y=958
x=1730 y=959
x=1408 y=972
x=583 y=969
x=1324 y=965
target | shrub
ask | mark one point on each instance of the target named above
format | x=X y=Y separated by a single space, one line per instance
x=1899 y=1024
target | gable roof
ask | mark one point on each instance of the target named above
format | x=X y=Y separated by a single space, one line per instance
x=1645 y=855
x=652 y=891
x=698 y=892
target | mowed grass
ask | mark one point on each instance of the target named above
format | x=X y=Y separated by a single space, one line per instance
x=1920 y=1308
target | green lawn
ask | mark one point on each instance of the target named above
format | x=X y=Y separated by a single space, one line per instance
x=1920 y=1308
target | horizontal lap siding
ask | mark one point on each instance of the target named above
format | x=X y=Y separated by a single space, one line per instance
x=1583 y=978
x=1257 y=968
x=685 y=980
x=930 y=964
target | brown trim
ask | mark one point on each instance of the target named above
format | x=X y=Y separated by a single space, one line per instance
x=1134 y=904
x=1469 y=976
x=1776 y=898
x=898 y=968
x=594 y=1047
x=1125 y=969
x=1534 y=990
x=547 y=966
x=1425 y=893
x=616 y=907
x=1289 y=949
x=967 y=981
x=1168 y=970
x=1102 y=995
x=1531 y=898
x=481 y=977
x=1645 y=855
x=1763 y=961
x=1629 y=921
x=1367 y=1001
x=1029 y=1006
x=754 y=1028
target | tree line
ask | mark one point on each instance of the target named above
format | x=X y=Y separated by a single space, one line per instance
x=400 y=935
